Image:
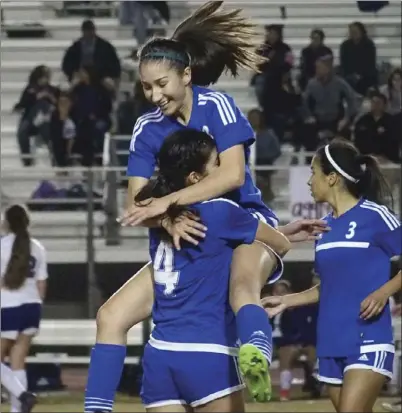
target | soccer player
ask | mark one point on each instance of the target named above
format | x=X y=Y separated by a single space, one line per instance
x=173 y=73
x=190 y=359
x=23 y=285
x=354 y=334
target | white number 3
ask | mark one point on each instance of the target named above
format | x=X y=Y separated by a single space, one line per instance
x=351 y=232
x=164 y=272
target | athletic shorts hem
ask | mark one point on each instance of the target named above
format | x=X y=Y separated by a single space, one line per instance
x=217 y=395
x=329 y=380
x=356 y=366
x=164 y=403
x=12 y=335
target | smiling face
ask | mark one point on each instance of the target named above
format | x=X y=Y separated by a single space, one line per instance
x=164 y=86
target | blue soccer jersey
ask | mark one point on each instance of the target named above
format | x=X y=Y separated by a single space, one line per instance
x=353 y=260
x=212 y=112
x=191 y=285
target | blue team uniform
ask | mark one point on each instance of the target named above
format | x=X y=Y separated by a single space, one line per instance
x=353 y=260
x=217 y=114
x=191 y=355
x=295 y=327
x=285 y=328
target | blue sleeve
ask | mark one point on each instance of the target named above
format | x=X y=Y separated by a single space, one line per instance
x=228 y=125
x=142 y=156
x=390 y=241
x=230 y=222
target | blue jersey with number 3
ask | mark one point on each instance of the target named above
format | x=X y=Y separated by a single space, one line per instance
x=212 y=112
x=352 y=261
x=191 y=285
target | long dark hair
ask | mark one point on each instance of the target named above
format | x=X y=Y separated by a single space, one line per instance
x=183 y=152
x=17 y=269
x=210 y=42
x=36 y=73
x=396 y=71
x=365 y=169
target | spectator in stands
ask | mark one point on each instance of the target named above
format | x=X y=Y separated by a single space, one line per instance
x=35 y=105
x=62 y=132
x=310 y=54
x=283 y=113
x=140 y=14
x=392 y=91
x=91 y=112
x=279 y=61
x=91 y=49
x=324 y=99
x=374 y=132
x=268 y=150
x=358 y=59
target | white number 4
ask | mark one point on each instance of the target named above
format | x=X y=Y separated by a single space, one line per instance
x=351 y=231
x=164 y=273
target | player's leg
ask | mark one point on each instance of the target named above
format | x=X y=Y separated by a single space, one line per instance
x=130 y=305
x=360 y=390
x=251 y=266
x=334 y=393
x=25 y=401
x=364 y=378
x=330 y=373
x=287 y=355
x=311 y=383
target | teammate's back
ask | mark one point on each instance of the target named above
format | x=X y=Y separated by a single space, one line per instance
x=191 y=285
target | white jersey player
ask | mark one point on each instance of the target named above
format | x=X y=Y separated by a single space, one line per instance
x=23 y=285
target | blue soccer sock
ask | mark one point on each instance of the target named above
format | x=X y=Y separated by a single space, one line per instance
x=105 y=369
x=253 y=327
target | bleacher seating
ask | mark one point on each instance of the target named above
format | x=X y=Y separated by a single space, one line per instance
x=19 y=56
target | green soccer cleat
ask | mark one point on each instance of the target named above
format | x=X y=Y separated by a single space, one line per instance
x=255 y=371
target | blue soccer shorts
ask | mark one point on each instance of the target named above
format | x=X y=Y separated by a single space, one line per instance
x=331 y=370
x=187 y=377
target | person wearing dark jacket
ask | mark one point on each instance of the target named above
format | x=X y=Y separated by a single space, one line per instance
x=62 y=132
x=309 y=55
x=91 y=49
x=375 y=134
x=358 y=59
x=91 y=112
x=35 y=106
x=280 y=62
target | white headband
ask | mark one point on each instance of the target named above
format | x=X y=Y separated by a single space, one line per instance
x=338 y=168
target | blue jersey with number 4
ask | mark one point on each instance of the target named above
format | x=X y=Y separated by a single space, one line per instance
x=352 y=261
x=212 y=112
x=191 y=285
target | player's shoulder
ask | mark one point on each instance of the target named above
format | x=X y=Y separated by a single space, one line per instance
x=378 y=214
x=146 y=124
x=216 y=207
x=219 y=102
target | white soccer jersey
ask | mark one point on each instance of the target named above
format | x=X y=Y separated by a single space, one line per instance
x=28 y=292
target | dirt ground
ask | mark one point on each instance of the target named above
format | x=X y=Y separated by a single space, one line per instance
x=73 y=403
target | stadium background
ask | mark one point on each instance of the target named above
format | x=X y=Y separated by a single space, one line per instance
x=89 y=255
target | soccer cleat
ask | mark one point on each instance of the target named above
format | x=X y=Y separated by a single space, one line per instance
x=28 y=401
x=254 y=369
